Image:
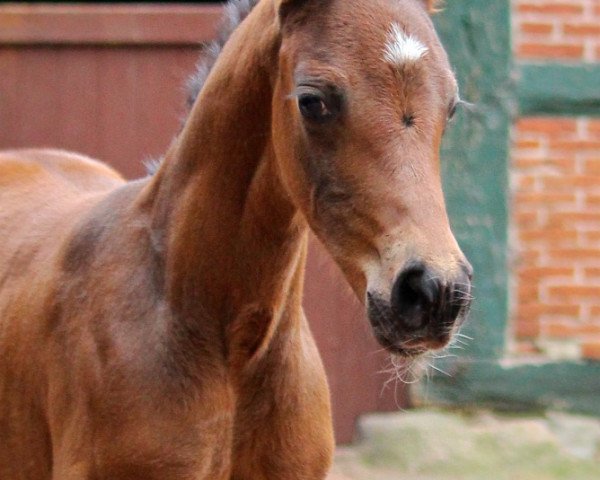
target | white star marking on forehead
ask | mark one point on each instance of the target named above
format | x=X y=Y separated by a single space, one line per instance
x=403 y=49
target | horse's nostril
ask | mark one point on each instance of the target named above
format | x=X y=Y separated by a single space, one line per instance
x=413 y=295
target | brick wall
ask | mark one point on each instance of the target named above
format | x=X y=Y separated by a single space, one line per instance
x=555 y=178
x=568 y=30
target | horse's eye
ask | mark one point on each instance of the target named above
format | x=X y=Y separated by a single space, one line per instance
x=452 y=111
x=313 y=107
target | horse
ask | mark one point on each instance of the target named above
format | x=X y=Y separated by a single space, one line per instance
x=153 y=329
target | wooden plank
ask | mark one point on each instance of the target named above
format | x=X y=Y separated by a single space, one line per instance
x=121 y=105
x=9 y=81
x=555 y=89
x=78 y=98
x=78 y=24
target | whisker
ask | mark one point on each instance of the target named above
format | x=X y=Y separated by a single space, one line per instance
x=462 y=335
x=437 y=369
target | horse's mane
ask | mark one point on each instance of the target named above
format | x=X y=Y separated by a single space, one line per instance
x=234 y=13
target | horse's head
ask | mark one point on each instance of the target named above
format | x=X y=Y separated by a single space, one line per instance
x=362 y=99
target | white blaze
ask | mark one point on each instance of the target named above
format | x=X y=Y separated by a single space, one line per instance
x=402 y=48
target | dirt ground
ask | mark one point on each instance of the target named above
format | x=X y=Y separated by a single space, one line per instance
x=433 y=444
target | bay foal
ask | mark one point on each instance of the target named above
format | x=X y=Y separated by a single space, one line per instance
x=154 y=329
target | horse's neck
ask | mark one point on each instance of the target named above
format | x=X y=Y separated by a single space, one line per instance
x=234 y=243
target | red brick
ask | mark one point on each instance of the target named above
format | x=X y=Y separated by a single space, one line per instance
x=583 y=29
x=593 y=200
x=551 y=8
x=563 y=330
x=575 y=254
x=548 y=236
x=575 y=216
x=589 y=329
x=523 y=162
x=537 y=28
x=562 y=219
x=547 y=126
x=537 y=310
x=592 y=272
x=525 y=183
x=593 y=128
x=544 y=50
x=591 y=350
x=527 y=329
x=575 y=291
x=544 y=198
x=569 y=182
x=526 y=348
x=536 y=273
x=527 y=144
x=592 y=166
x=528 y=257
x=575 y=145
x=565 y=165
x=528 y=294
x=591 y=236
x=525 y=219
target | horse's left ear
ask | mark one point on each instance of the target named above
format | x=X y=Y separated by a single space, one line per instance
x=432 y=6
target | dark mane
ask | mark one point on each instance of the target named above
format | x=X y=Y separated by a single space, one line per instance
x=235 y=12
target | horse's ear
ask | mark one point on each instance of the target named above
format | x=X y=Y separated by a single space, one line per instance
x=432 y=6
x=285 y=7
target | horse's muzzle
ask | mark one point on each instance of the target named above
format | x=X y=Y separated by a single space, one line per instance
x=422 y=311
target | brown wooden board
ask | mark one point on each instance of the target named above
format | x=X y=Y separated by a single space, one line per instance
x=78 y=24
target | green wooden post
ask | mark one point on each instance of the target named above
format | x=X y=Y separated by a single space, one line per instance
x=475 y=166
x=475 y=155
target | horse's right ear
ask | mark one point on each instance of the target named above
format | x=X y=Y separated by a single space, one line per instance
x=285 y=7
x=432 y=6
x=286 y=3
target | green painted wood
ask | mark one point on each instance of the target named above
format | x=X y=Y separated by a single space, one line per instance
x=554 y=89
x=475 y=168
x=475 y=156
x=573 y=386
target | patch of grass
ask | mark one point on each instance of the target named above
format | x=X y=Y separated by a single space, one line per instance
x=470 y=446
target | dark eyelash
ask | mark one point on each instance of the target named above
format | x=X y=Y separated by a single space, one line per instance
x=467 y=105
x=452 y=111
x=462 y=104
